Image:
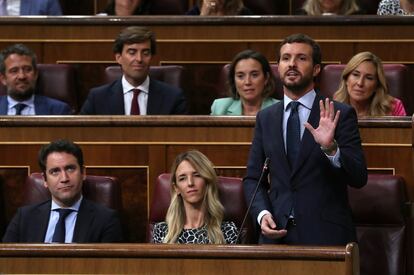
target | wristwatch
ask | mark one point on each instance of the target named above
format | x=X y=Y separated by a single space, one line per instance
x=329 y=150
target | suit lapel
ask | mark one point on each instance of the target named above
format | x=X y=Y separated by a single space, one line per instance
x=25 y=6
x=116 y=99
x=277 y=132
x=235 y=108
x=308 y=142
x=40 y=105
x=154 y=98
x=3 y=105
x=85 y=218
x=40 y=220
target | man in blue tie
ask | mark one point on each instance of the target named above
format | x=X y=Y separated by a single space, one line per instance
x=315 y=152
x=18 y=73
x=68 y=217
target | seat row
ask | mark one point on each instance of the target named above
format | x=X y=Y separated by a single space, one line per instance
x=180 y=7
x=59 y=81
x=379 y=208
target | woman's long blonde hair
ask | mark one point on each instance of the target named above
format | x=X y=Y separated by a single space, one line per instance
x=313 y=7
x=175 y=217
x=381 y=101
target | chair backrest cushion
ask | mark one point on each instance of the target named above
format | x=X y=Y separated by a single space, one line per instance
x=101 y=189
x=265 y=7
x=171 y=7
x=172 y=74
x=380 y=216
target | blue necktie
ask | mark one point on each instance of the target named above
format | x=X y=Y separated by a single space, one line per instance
x=19 y=108
x=293 y=133
x=60 y=229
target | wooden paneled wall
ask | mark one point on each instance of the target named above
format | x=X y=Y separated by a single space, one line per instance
x=137 y=150
x=204 y=44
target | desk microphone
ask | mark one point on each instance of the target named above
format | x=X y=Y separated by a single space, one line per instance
x=264 y=172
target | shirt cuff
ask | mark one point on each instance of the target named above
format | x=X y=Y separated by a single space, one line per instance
x=335 y=159
x=261 y=214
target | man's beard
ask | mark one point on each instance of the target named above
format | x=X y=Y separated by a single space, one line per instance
x=298 y=86
x=19 y=95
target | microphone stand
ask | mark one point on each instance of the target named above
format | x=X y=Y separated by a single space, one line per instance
x=264 y=170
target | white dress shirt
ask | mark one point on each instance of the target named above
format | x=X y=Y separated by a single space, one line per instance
x=29 y=110
x=70 y=221
x=142 y=96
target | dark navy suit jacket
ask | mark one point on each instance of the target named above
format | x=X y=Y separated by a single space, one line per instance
x=43 y=106
x=40 y=7
x=95 y=223
x=163 y=99
x=313 y=187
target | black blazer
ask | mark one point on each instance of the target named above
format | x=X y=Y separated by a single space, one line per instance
x=95 y=224
x=163 y=99
x=314 y=187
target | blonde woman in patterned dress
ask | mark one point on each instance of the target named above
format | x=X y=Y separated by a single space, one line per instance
x=195 y=214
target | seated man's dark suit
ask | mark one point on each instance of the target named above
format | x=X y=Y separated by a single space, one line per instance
x=163 y=99
x=313 y=187
x=95 y=224
x=43 y=106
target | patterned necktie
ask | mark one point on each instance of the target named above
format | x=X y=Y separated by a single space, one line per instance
x=19 y=108
x=3 y=7
x=60 y=229
x=293 y=133
x=134 y=103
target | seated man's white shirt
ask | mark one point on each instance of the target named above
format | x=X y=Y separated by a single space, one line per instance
x=13 y=7
x=142 y=97
x=70 y=221
x=29 y=110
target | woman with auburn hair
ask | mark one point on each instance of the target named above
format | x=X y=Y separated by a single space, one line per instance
x=330 y=7
x=195 y=214
x=219 y=7
x=363 y=85
x=251 y=86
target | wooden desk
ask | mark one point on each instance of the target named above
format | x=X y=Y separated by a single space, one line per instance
x=178 y=259
x=138 y=149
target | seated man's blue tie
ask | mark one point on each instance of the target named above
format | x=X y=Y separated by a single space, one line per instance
x=293 y=133
x=19 y=108
x=60 y=229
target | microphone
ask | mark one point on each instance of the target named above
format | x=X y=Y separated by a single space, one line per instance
x=264 y=172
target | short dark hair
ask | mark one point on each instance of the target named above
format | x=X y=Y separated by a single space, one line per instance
x=303 y=38
x=132 y=35
x=19 y=49
x=60 y=145
x=268 y=89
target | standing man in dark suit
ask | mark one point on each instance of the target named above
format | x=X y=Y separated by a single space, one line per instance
x=135 y=93
x=315 y=152
x=18 y=72
x=67 y=217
